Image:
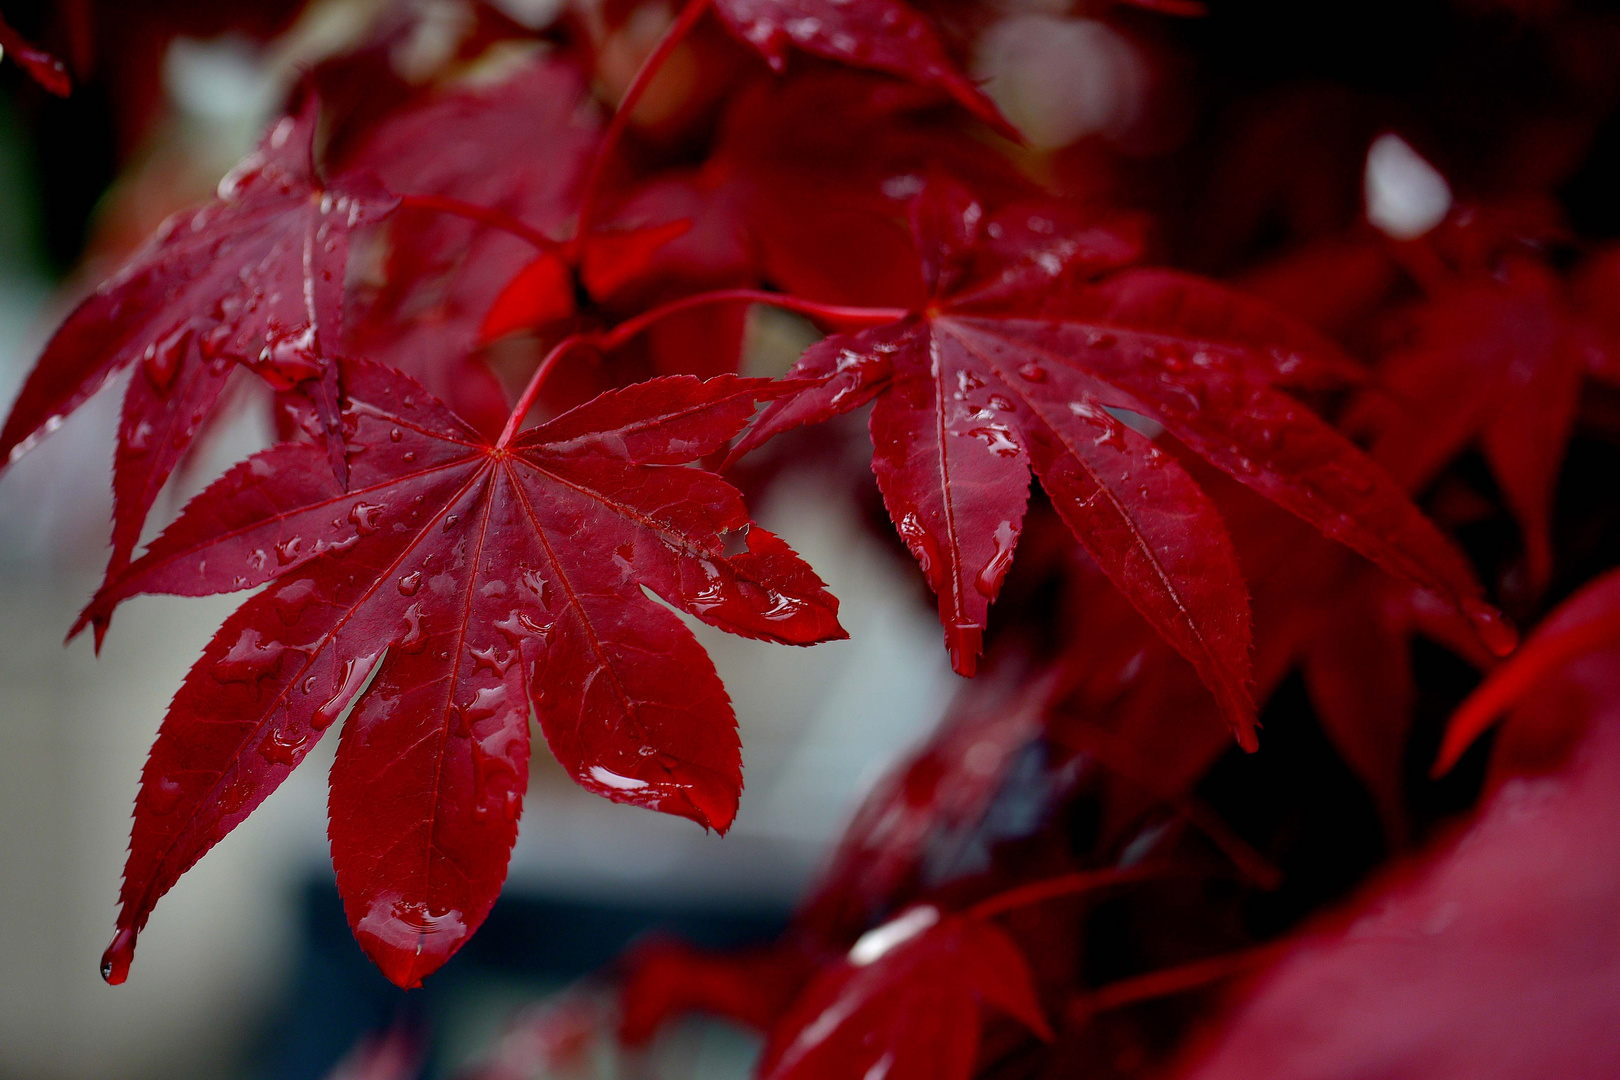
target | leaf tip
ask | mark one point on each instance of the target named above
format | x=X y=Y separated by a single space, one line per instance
x=1495 y=632
x=965 y=641
x=116 y=960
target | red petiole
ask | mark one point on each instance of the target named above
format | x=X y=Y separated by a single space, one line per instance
x=843 y=318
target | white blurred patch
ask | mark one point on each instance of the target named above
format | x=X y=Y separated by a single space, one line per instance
x=880 y=940
x=220 y=80
x=1060 y=79
x=1406 y=196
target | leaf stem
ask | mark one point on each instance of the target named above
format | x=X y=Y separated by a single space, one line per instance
x=845 y=317
x=590 y=195
x=532 y=391
x=1064 y=885
x=495 y=219
x=842 y=317
x=1174 y=980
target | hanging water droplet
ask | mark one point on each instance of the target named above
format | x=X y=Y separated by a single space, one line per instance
x=161 y=361
x=115 y=961
x=1497 y=634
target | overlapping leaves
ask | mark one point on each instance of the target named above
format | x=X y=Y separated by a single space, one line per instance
x=1030 y=352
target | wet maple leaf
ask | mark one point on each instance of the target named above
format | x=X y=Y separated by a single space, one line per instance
x=1495 y=359
x=886 y=35
x=452 y=586
x=256 y=278
x=1033 y=341
x=854 y=145
x=905 y=1002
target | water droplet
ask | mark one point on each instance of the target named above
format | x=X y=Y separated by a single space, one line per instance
x=162 y=795
x=922 y=544
x=395 y=435
x=450 y=521
x=290 y=359
x=1033 y=372
x=410 y=583
x=353 y=673
x=287 y=550
x=249 y=661
x=497 y=662
x=539 y=586
x=284 y=747
x=365 y=517
x=1495 y=632
x=1101 y=339
x=989 y=578
x=292 y=598
x=161 y=361
x=1000 y=403
x=115 y=961
x=139 y=439
x=414 y=640
x=998 y=438
x=964 y=642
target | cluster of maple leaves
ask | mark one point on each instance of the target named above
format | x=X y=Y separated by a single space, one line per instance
x=1222 y=499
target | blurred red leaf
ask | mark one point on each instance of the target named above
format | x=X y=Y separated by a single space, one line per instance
x=905 y=1003
x=1497 y=956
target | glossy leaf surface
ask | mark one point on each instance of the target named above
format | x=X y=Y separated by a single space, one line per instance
x=254 y=278
x=1027 y=359
x=887 y=35
x=467 y=583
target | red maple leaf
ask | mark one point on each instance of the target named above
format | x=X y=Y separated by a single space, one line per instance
x=255 y=277
x=905 y=1002
x=1496 y=357
x=452 y=586
x=886 y=35
x=1031 y=345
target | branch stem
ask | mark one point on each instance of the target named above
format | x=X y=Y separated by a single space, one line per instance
x=590 y=195
x=607 y=340
x=536 y=381
x=495 y=219
x=844 y=318
x=1174 y=980
x=1064 y=885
